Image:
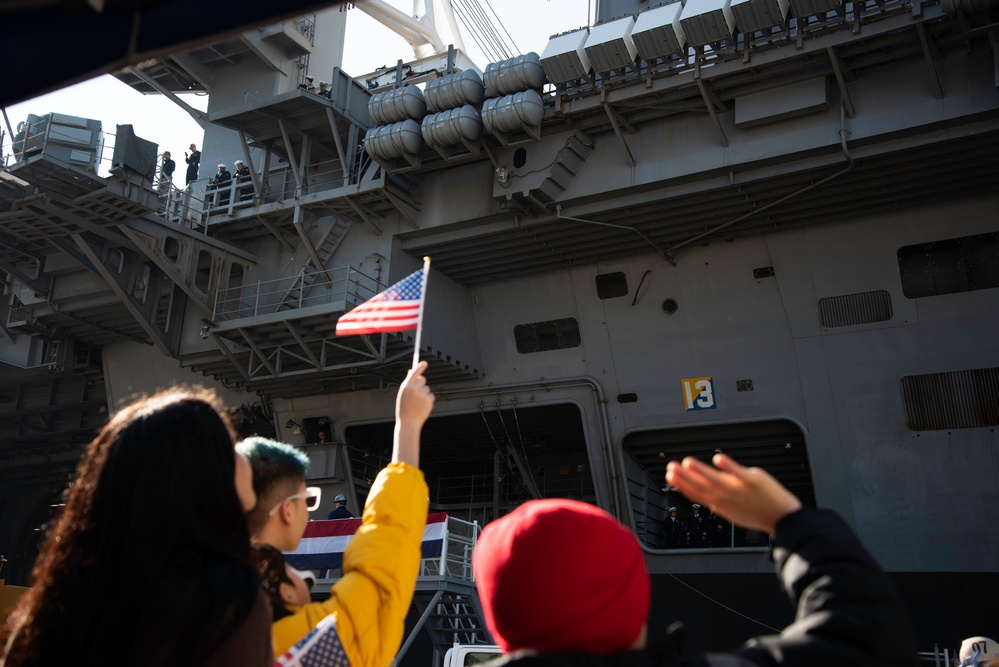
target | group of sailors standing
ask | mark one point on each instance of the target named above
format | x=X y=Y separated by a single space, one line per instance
x=219 y=183
x=323 y=91
x=223 y=177
x=701 y=530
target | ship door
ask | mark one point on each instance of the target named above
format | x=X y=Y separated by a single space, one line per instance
x=776 y=445
x=483 y=464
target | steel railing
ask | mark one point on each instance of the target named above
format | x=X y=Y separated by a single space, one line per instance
x=308 y=288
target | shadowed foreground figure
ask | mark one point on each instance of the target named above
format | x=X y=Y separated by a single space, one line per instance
x=149 y=562
x=545 y=608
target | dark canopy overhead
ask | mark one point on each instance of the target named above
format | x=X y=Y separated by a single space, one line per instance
x=51 y=44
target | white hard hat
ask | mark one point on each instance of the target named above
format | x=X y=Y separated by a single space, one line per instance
x=976 y=650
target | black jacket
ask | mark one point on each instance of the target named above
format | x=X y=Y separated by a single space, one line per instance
x=848 y=612
x=193 y=161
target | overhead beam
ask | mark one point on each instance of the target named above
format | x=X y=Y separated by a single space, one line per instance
x=200 y=117
x=204 y=76
x=268 y=54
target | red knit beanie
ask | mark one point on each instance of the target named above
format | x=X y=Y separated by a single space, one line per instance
x=561 y=576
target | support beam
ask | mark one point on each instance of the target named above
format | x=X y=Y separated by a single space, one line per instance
x=407 y=211
x=249 y=164
x=364 y=215
x=305 y=158
x=70 y=250
x=709 y=101
x=269 y=226
x=302 y=344
x=414 y=633
x=257 y=351
x=612 y=116
x=200 y=117
x=931 y=53
x=339 y=144
x=267 y=53
x=307 y=242
x=115 y=282
x=843 y=74
x=366 y=339
x=292 y=162
x=5 y=317
x=196 y=70
x=221 y=342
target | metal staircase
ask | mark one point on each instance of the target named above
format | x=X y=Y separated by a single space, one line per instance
x=445 y=594
x=330 y=239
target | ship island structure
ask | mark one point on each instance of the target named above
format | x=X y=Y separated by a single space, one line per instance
x=763 y=227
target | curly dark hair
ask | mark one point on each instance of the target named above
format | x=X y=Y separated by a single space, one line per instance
x=271 y=568
x=149 y=562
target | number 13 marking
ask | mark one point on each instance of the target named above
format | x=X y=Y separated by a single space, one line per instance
x=698 y=393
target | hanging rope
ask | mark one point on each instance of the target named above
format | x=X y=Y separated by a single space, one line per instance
x=516 y=48
x=723 y=606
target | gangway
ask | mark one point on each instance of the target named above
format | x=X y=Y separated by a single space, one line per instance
x=445 y=596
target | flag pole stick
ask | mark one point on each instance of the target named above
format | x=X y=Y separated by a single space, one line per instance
x=419 y=317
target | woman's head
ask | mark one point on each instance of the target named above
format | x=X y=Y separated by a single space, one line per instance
x=153 y=513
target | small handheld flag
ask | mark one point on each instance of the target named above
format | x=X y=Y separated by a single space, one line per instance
x=396 y=309
x=321 y=647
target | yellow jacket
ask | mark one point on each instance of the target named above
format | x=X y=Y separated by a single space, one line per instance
x=380 y=567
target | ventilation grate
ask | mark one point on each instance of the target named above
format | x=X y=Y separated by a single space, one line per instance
x=850 y=309
x=959 y=399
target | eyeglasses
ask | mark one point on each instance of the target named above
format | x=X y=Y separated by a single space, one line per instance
x=312 y=495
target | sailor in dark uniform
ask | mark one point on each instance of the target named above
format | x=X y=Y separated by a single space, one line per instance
x=193 y=161
x=244 y=180
x=697 y=528
x=720 y=531
x=221 y=182
x=673 y=529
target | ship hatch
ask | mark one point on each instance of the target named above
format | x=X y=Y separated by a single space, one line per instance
x=778 y=446
x=484 y=464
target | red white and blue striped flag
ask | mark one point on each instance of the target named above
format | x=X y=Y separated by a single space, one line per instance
x=396 y=309
x=324 y=542
x=320 y=648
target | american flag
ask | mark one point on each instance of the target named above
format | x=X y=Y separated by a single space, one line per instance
x=395 y=309
x=320 y=648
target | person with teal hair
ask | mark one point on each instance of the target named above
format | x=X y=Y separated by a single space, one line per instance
x=283 y=501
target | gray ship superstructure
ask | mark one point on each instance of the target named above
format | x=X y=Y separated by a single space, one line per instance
x=769 y=228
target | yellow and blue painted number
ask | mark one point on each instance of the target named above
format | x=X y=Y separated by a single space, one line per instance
x=698 y=393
